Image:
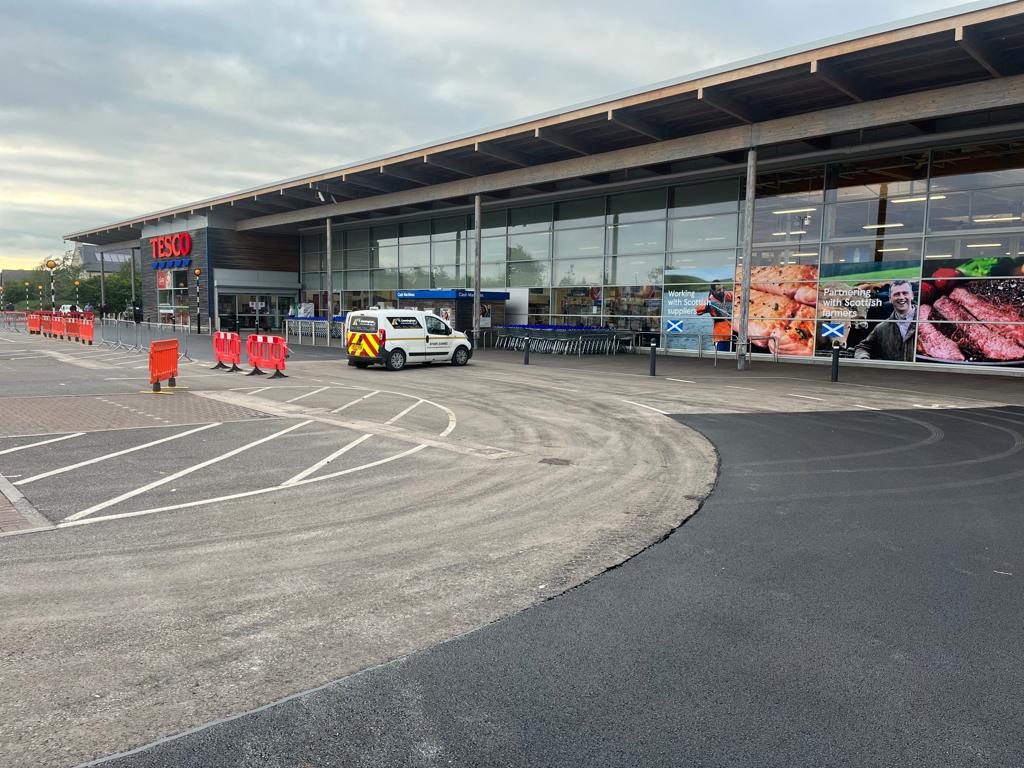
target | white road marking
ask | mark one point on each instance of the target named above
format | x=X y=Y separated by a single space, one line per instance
x=393 y=419
x=648 y=407
x=358 y=399
x=259 y=389
x=98 y=459
x=314 y=392
x=27 y=357
x=324 y=462
x=866 y=407
x=181 y=473
x=1003 y=573
x=807 y=397
x=684 y=381
x=41 y=442
x=244 y=494
x=733 y=386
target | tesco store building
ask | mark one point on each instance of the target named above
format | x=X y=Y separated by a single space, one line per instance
x=884 y=171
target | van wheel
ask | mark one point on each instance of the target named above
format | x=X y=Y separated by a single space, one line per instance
x=396 y=360
x=461 y=356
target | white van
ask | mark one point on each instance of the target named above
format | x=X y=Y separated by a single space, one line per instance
x=394 y=337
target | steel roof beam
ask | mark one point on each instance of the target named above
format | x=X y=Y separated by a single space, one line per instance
x=452 y=164
x=377 y=185
x=827 y=72
x=512 y=156
x=726 y=104
x=277 y=201
x=561 y=139
x=415 y=175
x=637 y=124
x=978 y=49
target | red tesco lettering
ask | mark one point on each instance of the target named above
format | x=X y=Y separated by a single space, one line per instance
x=178 y=244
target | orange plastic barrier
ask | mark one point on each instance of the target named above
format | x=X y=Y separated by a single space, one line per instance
x=47 y=323
x=58 y=326
x=163 y=362
x=227 y=348
x=86 y=330
x=35 y=322
x=268 y=351
x=72 y=326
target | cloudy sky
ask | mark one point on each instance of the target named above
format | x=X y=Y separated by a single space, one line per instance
x=112 y=108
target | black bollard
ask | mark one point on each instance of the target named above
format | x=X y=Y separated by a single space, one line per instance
x=835 y=361
x=654 y=355
x=526 y=351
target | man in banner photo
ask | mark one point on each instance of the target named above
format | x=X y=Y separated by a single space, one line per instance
x=719 y=307
x=893 y=339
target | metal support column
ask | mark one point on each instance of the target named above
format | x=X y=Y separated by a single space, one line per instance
x=103 y=283
x=477 y=239
x=131 y=261
x=330 y=285
x=743 y=348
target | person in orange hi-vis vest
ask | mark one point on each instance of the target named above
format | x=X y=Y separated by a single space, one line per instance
x=719 y=306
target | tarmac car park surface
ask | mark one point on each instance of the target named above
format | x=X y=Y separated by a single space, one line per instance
x=846 y=593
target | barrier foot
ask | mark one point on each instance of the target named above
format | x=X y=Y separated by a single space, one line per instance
x=255 y=372
x=171 y=383
x=156 y=386
x=220 y=367
x=234 y=369
x=278 y=375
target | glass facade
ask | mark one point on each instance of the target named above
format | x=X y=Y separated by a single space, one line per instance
x=916 y=256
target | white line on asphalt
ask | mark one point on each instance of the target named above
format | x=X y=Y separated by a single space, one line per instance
x=393 y=419
x=62 y=470
x=648 y=407
x=733 y=386
x=684 y=381
x=1003 y=573
x=324 y=462
x=182 y=473
x=27 y=357
x=244 y=494
x=11 y=341
x=314 y=392
x=41 y=442
x=807 y=397
x=358 y=399
x=866 y=407
x=259 y=389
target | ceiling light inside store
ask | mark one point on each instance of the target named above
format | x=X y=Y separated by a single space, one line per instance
x=985 y=245
x=920 y=199
x=880 y=226
x=892 y=250
x=794 y=232
x=809 y=253
x=984 y=219
x=794 y=210
x=940 y=256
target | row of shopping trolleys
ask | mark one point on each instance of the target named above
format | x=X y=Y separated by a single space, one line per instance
x=557 y=342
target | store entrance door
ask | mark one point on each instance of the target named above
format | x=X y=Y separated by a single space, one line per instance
x=253 y=311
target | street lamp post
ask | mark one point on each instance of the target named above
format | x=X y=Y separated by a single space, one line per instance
x=78 y=304
x=197 y=272
x=52 y=265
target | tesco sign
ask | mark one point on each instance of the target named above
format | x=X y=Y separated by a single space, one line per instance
x=166 y=246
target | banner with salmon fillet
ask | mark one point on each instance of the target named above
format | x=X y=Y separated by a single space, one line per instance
x=782 y=307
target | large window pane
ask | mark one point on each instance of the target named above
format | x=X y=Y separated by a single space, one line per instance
x=384 y=278
x=765 y=257
x=703 y=232
x=527 y=274
x=311 y=281
x=696 y=267
x=357 y=238
x=579 y=242
x=879 y=178
x=449 y=276
x=706 y=197
x=415 y=254
x=312 y=261
x=635 y=300
x=578 y=271
x=788 y=206
x=357 y=281
x=873 y=260
x=448 y=252
x=448 y=228
x=974 y=167
x=979 y=210
x=637 y=206
x=578 y=301
x=492 y=275
x=535 y=246
x=645 y=237
x=415 y=277
x=384 y=235
x=386 y=256
x=635 y=270
x=536 y=218
x=977 y=256
x=539 y=306
x=491 y=248
x=414 y=232
x=358 y=259
x=579 y=213
x=859 y=218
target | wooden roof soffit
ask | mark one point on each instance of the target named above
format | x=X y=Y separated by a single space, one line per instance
x=726 y=104
x=511 y=156
x=637 y=124
x=561 y=139
x=451 y=164
x=978 y=49
x=828 y=72
x=415 y=175
x=377 y=185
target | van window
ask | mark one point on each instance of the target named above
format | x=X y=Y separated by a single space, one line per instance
x=362 y=323
x=435 y=326
x=404 y=322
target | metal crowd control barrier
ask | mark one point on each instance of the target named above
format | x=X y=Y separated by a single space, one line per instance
x=773 y=347
x=14 y=321
x=297 y=330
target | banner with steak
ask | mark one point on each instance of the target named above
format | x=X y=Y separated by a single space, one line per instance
x=972 y=321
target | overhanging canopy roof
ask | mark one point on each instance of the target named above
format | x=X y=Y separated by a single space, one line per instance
x=956 y=47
